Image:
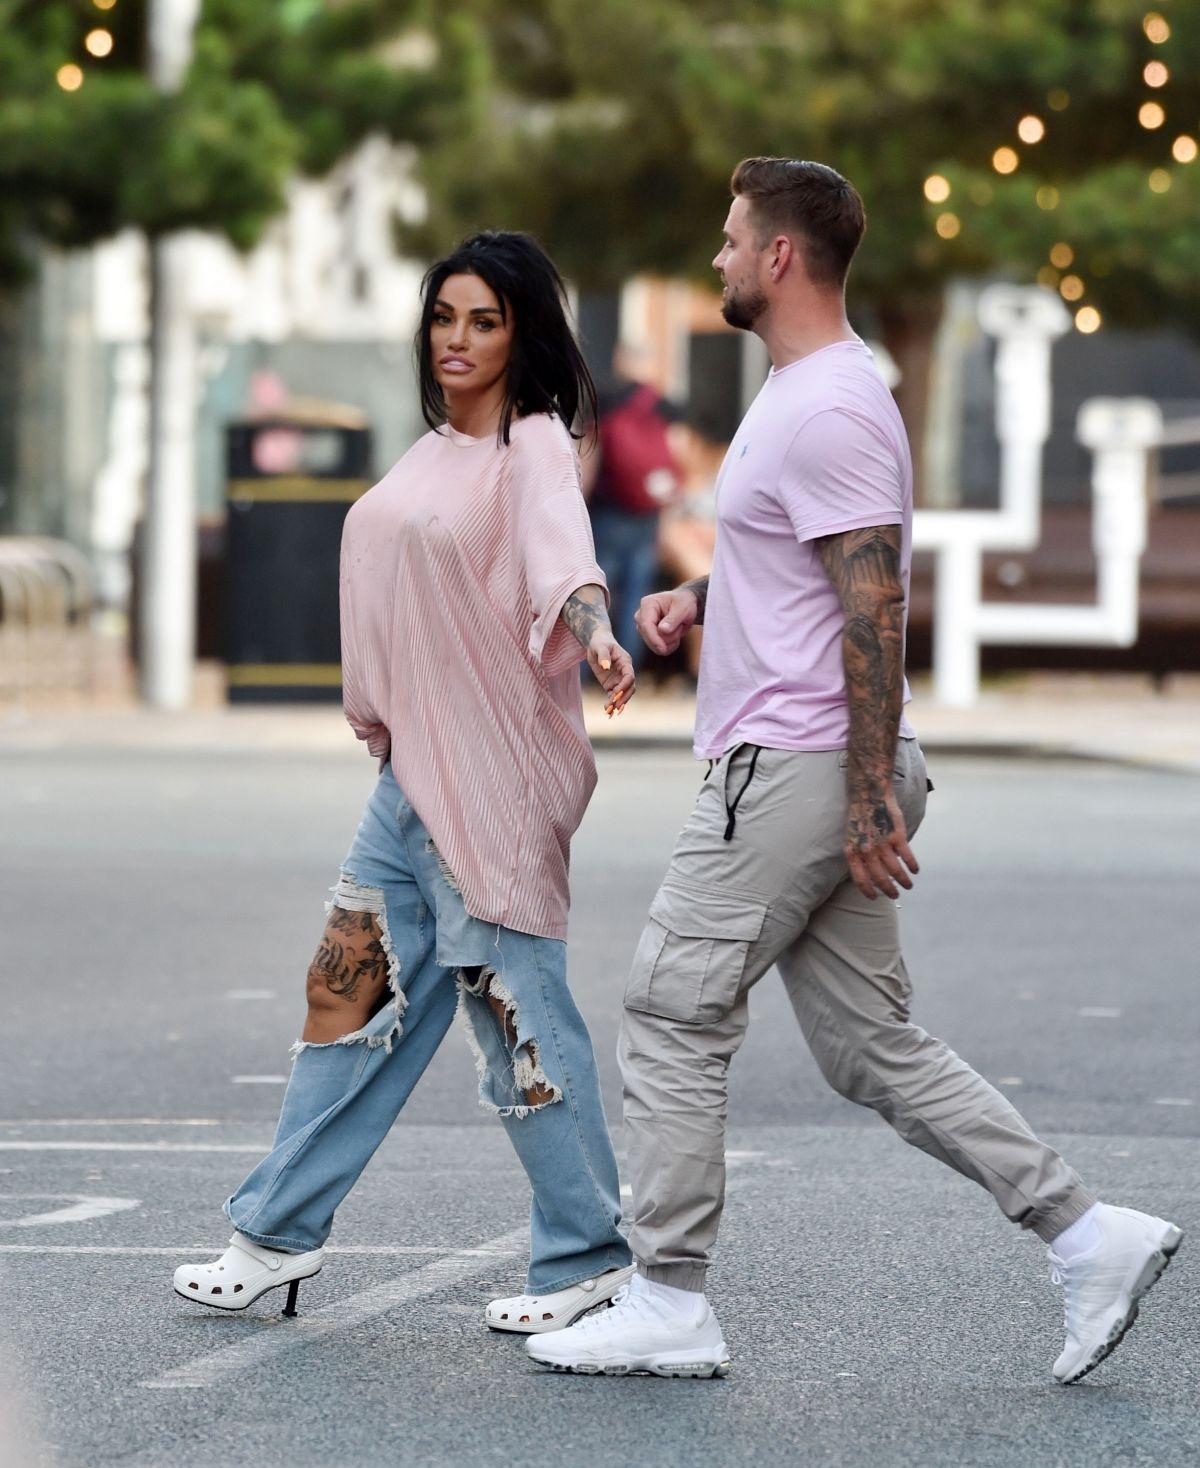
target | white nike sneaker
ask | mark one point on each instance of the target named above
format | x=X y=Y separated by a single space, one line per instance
x=1101 y=1288
x=531 y=1314
x=636 y=1334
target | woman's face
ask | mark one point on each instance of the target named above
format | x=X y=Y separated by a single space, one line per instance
x=470 y=340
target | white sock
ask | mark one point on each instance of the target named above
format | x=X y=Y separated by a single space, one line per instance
x=686 y=1304
x=1082 y=1236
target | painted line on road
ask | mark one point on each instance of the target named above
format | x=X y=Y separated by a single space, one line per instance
x=1173 y=1101
x=134 y=1147
x=1099 y=1011
x=116 y=1121
x=250 y=994
x=483 y=1252
x=284 y=1336
x=259 y=1080
x=80 y=1208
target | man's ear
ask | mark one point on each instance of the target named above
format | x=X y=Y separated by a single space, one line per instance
x=783 y=253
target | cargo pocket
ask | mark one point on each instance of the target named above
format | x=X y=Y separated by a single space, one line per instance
x=692 y=955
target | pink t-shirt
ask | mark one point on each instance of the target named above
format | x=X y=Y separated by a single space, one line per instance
x=455 y=662
x=821 y=450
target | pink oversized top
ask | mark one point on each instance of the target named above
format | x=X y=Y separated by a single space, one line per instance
x=455 y=663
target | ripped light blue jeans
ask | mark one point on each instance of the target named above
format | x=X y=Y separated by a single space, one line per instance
x=342 y=1097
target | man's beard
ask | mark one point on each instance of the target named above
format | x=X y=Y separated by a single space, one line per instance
x=743 y=310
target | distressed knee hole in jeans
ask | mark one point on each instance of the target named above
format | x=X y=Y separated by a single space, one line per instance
x=512 y=1081
x=356 y=939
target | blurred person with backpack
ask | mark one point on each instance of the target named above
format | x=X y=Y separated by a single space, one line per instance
x=630 y=477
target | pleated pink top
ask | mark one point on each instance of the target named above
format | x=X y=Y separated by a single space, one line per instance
x=455 y=662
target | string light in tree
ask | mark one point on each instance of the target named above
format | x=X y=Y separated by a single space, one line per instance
x=1156 y=28
x=1031 y=129
x=98 y=42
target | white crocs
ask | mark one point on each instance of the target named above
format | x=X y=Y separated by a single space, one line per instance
x=245 y=1271
x=530 y=1314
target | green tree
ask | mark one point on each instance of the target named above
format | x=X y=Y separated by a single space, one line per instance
x=274 y=85
x=610 y=130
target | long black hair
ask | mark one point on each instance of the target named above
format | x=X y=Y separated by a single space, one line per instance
x=546 y=370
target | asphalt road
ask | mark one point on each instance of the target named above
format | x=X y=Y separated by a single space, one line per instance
x=158 y=914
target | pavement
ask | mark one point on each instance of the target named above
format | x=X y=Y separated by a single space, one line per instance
x=1124 y=718
x=161 y=891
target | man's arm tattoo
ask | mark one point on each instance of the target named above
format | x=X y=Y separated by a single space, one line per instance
x=699 y=589
x=864 y=567
x=585 y=614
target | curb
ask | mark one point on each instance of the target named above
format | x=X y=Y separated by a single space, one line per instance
x=942 y=748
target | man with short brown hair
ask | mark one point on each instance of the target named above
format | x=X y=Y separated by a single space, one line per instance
x=798 y=841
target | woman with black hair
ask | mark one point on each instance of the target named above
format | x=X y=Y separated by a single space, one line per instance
x=469 y=594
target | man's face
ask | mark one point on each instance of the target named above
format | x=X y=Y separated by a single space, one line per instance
x=740 y=262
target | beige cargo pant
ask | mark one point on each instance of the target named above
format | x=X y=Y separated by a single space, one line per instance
x=777 y=892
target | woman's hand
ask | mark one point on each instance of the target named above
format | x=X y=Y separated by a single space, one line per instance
x=613 y=668
x=586 y=613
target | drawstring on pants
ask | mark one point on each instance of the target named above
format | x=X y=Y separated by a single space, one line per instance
x=731 y=807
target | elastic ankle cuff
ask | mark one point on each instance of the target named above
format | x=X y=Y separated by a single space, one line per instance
x=1050 y=1225
x=681 y=1276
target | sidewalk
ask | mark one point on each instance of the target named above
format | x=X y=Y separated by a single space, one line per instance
x=1080 y=716
x=1119 y=718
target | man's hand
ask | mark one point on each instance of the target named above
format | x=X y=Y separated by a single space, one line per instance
x=665 y=616
x=613 y=668
x=877 y=848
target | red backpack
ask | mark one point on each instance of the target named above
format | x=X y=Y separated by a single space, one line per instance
x=638 y=472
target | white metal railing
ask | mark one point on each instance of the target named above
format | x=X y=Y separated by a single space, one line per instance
x=1122 y=434
x=45 y=616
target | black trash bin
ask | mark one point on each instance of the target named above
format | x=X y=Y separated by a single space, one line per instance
x=292 y=477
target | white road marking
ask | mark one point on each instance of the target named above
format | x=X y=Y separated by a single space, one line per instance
x=483 y=1252
x=259 y=1080
x=260 y=1147
x=1101 y=1012
x=80 y=1207
x=1173 y=1101
x=1010 y=1081
x=250 y=994
x=115 y=1121
x=283 y=1336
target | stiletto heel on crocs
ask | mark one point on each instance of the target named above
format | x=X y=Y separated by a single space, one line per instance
x=530 y=1314
x=244 y=1272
